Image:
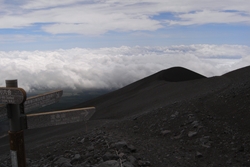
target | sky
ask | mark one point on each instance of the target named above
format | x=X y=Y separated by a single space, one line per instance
x=82 y=44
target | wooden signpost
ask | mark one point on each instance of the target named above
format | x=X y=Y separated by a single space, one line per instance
x=3 y=113
x=14 y=108
x=34 y=102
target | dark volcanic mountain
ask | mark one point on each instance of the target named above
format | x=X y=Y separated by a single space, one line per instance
x=175 y=117
x=145 y=94
x=176 y=74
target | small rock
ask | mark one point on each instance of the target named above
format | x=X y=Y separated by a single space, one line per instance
x=127 y=164
x=48 y=155
x=121 y=144
x=110 y=163
x=132 y=159
x=63 y=162
x=229 y=161
x=191 y=133
x=174 y=115
x=195 y=124
x=82 y=141
x=206 y=146
x=136 y=127
x=164 y=119
x=82 y=164
x=132 y=148
x=135 y=118
x=205 y=141
x=143 y=163
x=178 y=136
x=121 y=155
x=164 y=132
x=77 y=157
x=198 y=154
x=68 y=152
x=108 y=156
x=90 y=148
x=241 y=149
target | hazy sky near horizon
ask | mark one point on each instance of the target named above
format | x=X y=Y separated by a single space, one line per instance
x=81 y=44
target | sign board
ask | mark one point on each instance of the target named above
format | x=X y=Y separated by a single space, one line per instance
x=3 y=112
x=34 y=102
x=3 y=108
x=10 y=95
x=42 y=100
x=59 y=117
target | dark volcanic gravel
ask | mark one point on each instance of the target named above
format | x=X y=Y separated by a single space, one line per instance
x=154 y=122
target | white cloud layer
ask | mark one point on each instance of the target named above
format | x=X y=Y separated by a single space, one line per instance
x=78 y=69
x=101 y=16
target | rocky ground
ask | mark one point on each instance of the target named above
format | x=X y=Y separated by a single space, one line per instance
x=179 y=134
x=95 y=149
x=209 y=127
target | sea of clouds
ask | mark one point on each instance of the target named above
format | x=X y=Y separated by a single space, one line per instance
x=79 y=69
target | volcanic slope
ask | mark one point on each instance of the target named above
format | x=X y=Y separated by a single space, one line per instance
x=184 y=121
x=175 y=117
x=145 y=94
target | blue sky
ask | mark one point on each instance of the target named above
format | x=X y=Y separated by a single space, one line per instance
x=48 y=25
x=82 y=44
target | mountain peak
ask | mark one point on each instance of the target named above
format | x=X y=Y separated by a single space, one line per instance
x=178 y=74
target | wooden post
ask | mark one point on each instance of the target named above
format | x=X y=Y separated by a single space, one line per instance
x=16 y=138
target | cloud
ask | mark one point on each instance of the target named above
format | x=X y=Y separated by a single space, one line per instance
x=102 y=16
x=41 y=4
x=207 y=17
x=13 y=38
x=107 y=68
